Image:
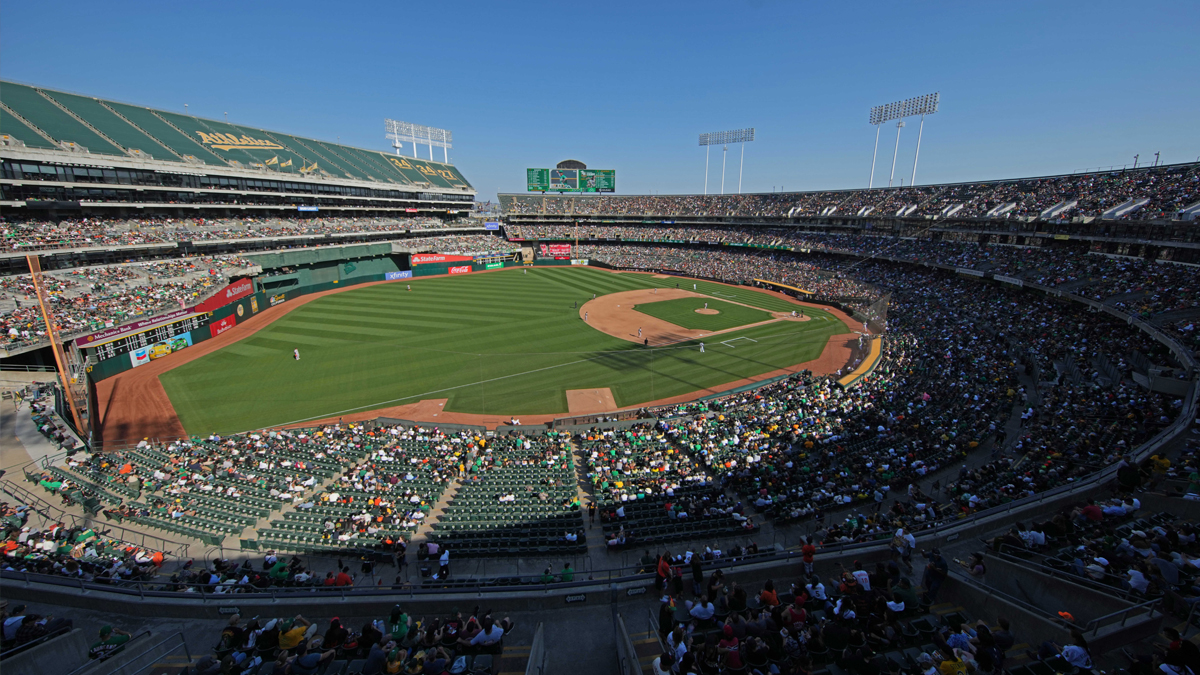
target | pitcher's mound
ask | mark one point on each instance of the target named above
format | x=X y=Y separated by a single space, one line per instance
x=705 y=310
x=585 y=401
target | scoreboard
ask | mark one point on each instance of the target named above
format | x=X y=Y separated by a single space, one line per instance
x=146 y=338
x=571 y=180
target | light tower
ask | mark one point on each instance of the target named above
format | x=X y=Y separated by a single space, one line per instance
x=919 y=105
x=406 y=132
x=724 y=139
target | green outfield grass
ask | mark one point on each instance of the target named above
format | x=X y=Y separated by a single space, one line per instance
x=682 y=312
x=500 y=343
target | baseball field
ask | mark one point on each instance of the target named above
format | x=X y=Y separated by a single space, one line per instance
x=511 y=342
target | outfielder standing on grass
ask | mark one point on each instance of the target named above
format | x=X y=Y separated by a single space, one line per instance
x=296 y=354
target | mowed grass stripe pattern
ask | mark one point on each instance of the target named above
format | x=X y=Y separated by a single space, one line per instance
x=682 y=312
x=504 y=343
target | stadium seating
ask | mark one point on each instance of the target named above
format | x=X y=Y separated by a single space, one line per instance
x=62 y=126
x=519 y=499
x=111 y=125
x=165 y=133
x=133 y=127
x=17 y=129
x=1167 y=189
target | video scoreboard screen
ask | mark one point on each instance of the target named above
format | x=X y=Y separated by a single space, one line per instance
x=571 y=180
x=145 y=338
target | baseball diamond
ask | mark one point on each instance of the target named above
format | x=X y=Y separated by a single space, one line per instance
x=502 y=343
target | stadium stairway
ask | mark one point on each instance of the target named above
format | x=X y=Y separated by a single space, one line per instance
x=648 y=647
x=431 y=518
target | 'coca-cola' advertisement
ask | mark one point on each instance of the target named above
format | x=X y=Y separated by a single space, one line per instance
x=461 y=269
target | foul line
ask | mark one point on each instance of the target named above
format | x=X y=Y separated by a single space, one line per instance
x=726 y=342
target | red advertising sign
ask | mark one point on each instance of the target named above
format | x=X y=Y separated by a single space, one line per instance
x=218 y=327
x=231 y=293
x=462 y=269
x=563 y=250
x=410 y=210
x=423 y=258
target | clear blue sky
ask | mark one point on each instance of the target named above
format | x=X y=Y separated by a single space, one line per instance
x=1028 y=88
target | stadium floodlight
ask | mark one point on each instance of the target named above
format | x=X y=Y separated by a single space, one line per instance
x=917 y=105
x=407 y=132
x=724 y=138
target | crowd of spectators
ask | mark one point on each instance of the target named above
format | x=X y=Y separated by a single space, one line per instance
x=1168 y=189
x=40 y=235
x=395 y=643
x=861 y=620
x=737 y=266
x=87 y=299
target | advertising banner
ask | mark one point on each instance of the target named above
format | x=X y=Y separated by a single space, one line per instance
x=425 y=258
x=231 y=293
x=969 y=272
x=143 y=355
x=462 y=269
x=135 y=327
x=491 y=226
x=140 y=356
x=1009 y=280
x=494 y=266
x=556 y=250
x=277 y=299
x=218 y=327
x=392 y=276
x=579 y=262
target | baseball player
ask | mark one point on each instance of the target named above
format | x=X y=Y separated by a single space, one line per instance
x=701 y=347
x=585 y=316
x=639 y=332
x=296 y=354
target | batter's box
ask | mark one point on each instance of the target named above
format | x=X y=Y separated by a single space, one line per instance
x=727 y=342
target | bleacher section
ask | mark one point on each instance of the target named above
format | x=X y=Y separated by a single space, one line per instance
x=116 y=129
x=11 y=126
x=54 y=121
x=519 y=499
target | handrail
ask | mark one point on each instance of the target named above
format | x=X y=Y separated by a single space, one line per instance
x=182 y=643
x=61 y=630
x=626 y=654
x=1051 y=571
x=89 y=662
x=18 y=368
x=46 y=510
x=537 y=652
x=1095 y=624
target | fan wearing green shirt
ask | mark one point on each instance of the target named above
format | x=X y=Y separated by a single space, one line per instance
x=112 y=640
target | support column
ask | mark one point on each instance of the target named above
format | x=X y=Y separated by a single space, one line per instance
x=871 y=183
x=899 y=126
x=913 y=180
